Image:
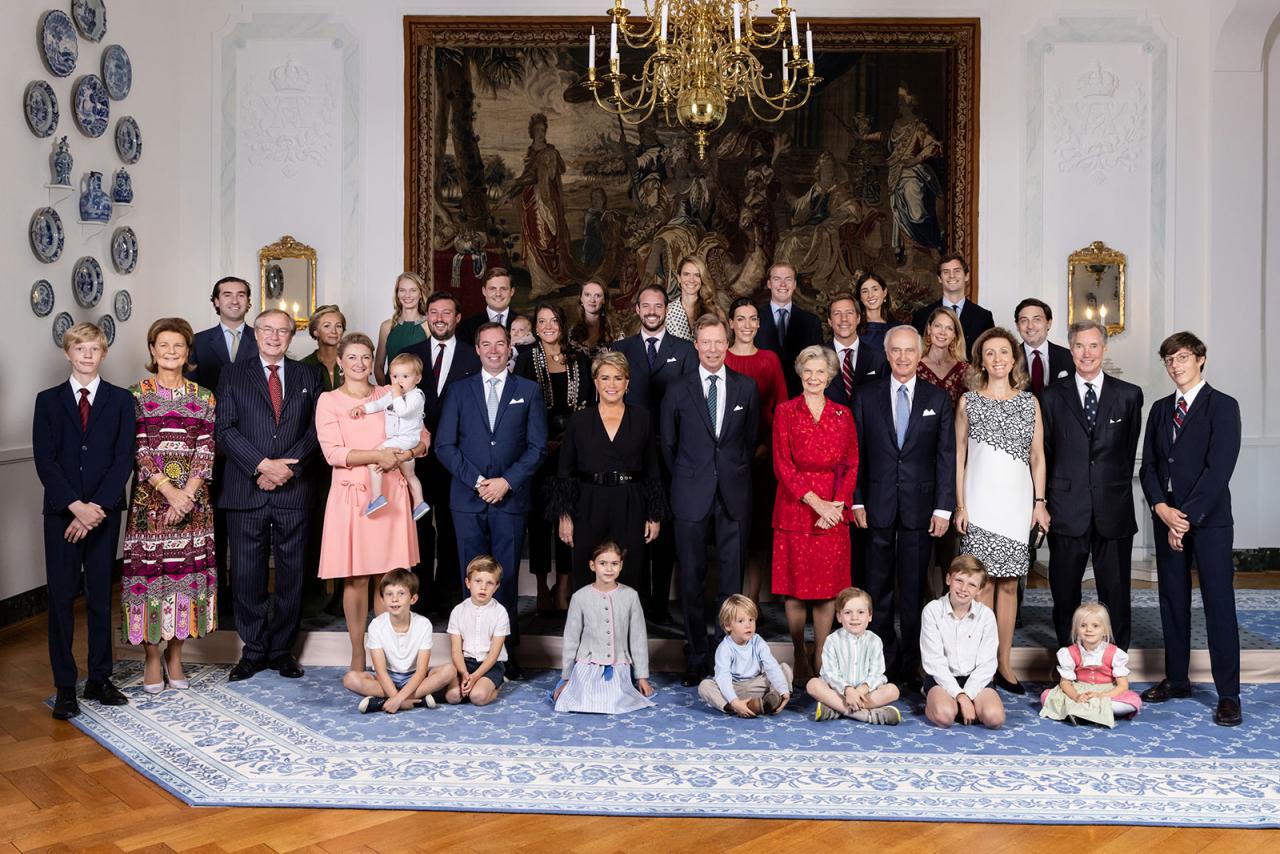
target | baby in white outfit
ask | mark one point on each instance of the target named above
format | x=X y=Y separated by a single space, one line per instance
x=404 y=408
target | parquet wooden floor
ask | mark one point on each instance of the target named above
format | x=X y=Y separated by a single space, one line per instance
x=61 y=791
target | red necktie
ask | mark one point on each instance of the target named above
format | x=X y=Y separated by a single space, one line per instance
x=847 y=373
x=276 y=391
x=84 y=410
x=1179 y=414
x=1037 y=372
x=435 y=368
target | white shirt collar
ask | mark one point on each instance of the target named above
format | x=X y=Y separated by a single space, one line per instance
x=951 y=612
x=1043 y=350
x=645 y=335
x=1190 y=394
x=840 y=348
x=266 y=366
x=958 y=306
x=894 y=382
x=493 y=315
x=1096 y=381
x=227 y=329
x=498 y=376
x=92 y=387
x=776 y=307
x=703 y=373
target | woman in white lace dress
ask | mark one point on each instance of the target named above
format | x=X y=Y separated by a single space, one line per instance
x=1000 y=477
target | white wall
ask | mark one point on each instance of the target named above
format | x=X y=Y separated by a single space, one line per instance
x=205 y=203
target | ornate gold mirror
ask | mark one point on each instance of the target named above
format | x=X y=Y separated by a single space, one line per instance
x=1095 y=286
x=287 y=278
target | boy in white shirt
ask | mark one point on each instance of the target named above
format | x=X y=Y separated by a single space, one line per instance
x=478 y=629
x=958 y=644
x=748 y=680
x=405 y=407
x=399 y=642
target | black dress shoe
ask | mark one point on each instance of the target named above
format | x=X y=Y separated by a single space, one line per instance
x=692 y=678
x=514 y=671
x=1165 y=690
x=65 y=706
x=288 y=667
x=1011 y=687
x=244 y=669
x=104 y=692
x=1227 y=713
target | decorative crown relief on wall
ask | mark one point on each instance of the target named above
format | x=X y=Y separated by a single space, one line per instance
x=287 y=116
x=1100 y=125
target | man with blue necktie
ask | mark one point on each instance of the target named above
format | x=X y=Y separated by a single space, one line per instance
x=786 y=328
x=1190 y=451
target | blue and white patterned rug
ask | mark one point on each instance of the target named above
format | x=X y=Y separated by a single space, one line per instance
x=270 y=741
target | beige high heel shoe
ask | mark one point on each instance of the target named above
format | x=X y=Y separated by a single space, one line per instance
x=178 y=684
x=156 y=687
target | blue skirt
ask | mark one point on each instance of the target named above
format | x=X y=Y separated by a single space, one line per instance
x=590 y=691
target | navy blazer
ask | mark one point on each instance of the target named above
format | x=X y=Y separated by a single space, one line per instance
x=466 y=330
x=700 y=464
x=869 y=365
x=1090 y=476
x=465 y=363
x=211 y=355
x=514 y=449
x=974 y=320
x=648 y=388
x=1193 y=474
x=93 y=465
x=246 y=431
x=901 y=487
x=803 y=329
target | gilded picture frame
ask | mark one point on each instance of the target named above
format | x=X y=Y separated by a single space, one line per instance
x=1095 y=286
x=287 y=278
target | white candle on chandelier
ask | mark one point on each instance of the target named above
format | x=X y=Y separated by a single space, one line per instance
x=1102 y=312
x=591 y=50
x=808 y=42
x=784 y=66
x=795 y=32
x=737 y=22
x=613 y=41
x=666 y=8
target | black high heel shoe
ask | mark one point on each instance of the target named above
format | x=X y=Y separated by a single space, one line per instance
x=1012 y=687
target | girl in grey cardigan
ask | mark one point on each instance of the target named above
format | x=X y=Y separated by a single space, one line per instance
x=605 y=644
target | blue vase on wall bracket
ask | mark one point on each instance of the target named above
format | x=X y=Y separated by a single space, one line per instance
x=95 y=204
x=60 y=164
x=122 y=188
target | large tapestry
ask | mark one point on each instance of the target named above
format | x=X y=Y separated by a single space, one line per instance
x=508 y=161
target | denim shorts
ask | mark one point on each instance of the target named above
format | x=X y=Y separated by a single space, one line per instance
x=399 y=679
x=494 y=674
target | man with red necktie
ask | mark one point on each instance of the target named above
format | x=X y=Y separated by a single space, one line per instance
x=1046 y=362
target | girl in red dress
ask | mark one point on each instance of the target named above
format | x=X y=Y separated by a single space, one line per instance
x=815 y=457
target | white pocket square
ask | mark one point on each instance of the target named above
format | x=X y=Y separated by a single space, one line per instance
x=670 y=359
x=1061 y=374
x=927 y=413
x=738 y=408
x=871 y=373
x=1114 y=420
x=517 y=400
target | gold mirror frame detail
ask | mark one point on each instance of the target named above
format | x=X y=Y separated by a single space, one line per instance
x=1096 y=258
x=287 y=247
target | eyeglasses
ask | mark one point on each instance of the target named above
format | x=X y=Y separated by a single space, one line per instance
x=1183 y=358
x=273 y=331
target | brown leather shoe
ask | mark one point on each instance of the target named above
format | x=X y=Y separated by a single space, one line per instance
x=1228 y=712
x=1164 y=690
x=756 y=705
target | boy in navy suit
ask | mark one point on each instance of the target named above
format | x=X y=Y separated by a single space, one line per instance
x=1191 y=446
x=82 y=437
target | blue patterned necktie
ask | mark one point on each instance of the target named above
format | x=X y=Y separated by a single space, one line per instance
x=782 y=325
x=902 y=415
x=652 y=344
x=492 y=402
x=713 y=399
x=1090 y=406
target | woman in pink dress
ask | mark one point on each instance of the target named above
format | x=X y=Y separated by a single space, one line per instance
x=356 y=547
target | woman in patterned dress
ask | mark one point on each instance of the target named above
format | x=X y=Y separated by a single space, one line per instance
x=169 y=586
x=696 y=297
x=815 y=457
x=1000 y=477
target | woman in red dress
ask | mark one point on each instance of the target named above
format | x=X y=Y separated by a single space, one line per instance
x=815 y=457
x=763 y=367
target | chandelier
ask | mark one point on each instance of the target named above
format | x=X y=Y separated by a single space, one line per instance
x=704 y=54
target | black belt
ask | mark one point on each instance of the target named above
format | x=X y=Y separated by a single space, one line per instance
x=609 y=478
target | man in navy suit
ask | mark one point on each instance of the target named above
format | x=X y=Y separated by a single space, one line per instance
x=953 y=275
x=1091 y=430
x=785 y=328
x=212 y=350
x=1046 y=362
x=859 y=364
x=82 y=437
x=266 y=428
x=905 y=495
x=1190 y=450
x=492 y=437
x=709 y=424
x=446 y=361
x=497 y=292
x=657 y=360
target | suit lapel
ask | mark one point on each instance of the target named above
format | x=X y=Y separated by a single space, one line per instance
x=664 y=352
x=1106 y=404
x=886 y=412
x=695 y=389
x=504 y=402
x=917 y=414
x=220 y=344
x=260 y=381
x=481 y=391
x=1076 y=407
x=69 y=402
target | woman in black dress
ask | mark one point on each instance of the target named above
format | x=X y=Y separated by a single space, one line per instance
x=608 y=484
x=562 y=373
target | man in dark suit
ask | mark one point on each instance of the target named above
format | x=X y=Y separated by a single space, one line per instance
x=905 y=495
x=1190 y=450
x=657 y=360
x=785 y=328
x=709 y=424
x=859 y=364
x=492 y=437
x=953 y=275
x=82 y=439
x=497 y=292
x=446 y=361
x=266 y=428
x=1046 y=362
x=229 y=342
x=1091 y=431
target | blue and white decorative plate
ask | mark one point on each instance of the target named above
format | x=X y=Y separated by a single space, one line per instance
x=61 y=324
x=123 y=305
x=124 y=250
x=117 y=72
x=58 y=43
x=86 y=282
x=107 y=324
x=41 y=107
x=91 y=105
x=128 y=140
x=91 y=18
x=47 y=236
x=42 y=298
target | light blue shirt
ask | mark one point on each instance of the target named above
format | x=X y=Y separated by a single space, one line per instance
x=228 y=334
x=737 y=662
x=850 y=660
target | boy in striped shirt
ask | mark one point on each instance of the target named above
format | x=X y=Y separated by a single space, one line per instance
x=852 y=681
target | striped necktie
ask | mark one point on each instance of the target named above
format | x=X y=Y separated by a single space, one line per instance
x=1179 y=415
x=846 y=372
